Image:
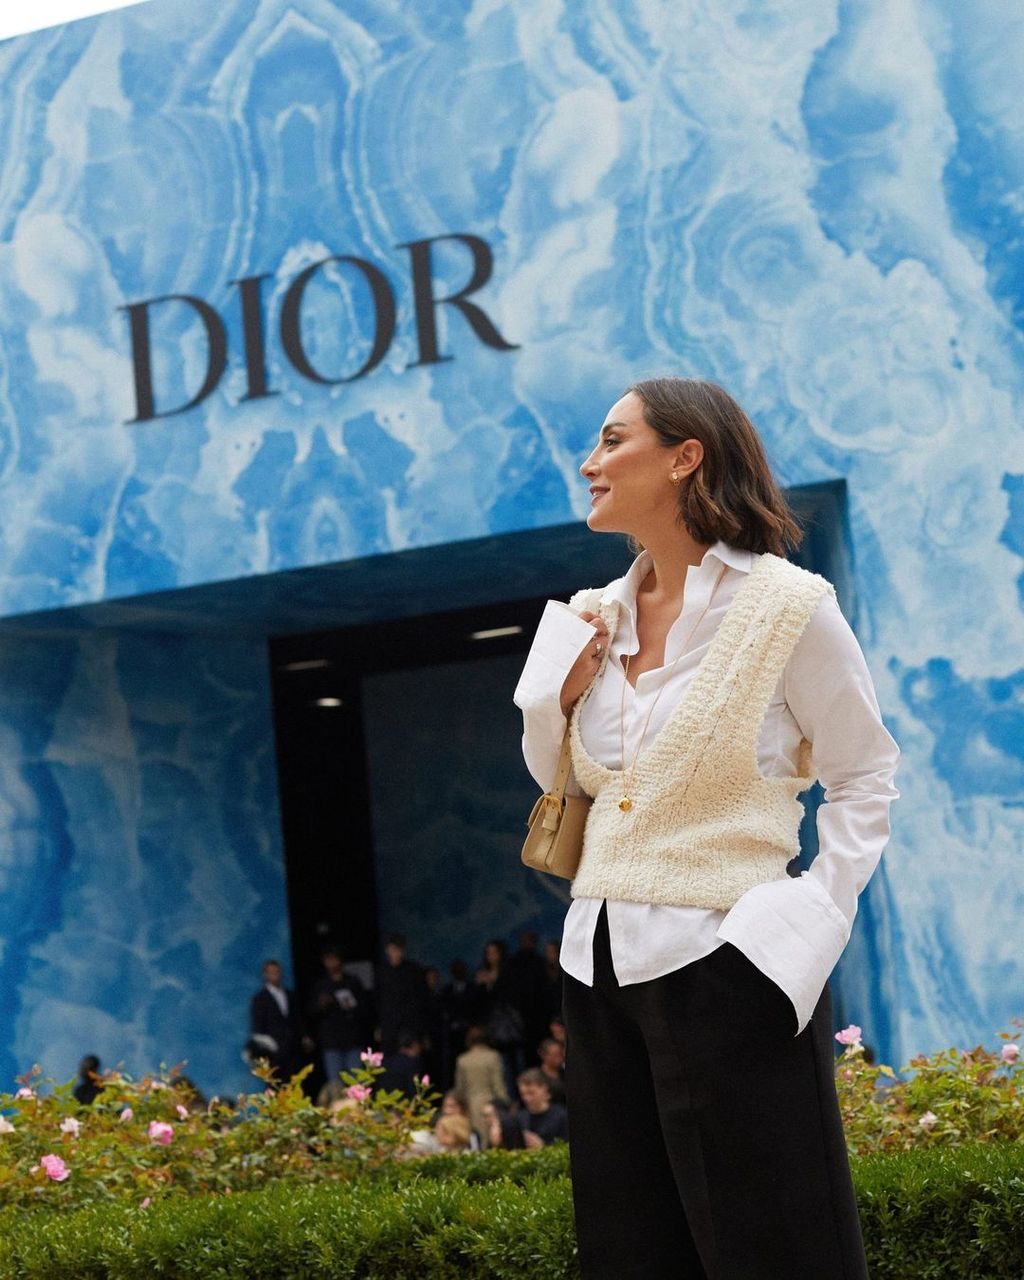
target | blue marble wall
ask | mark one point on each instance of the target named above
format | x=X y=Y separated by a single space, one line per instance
x=140 y=861
x=814 y=202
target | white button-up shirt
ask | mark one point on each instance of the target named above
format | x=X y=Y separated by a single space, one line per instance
x=794 y=929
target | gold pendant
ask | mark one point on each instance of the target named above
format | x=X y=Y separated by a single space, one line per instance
x=625 y=804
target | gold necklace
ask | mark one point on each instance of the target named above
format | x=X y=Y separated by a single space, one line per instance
x=626 y=803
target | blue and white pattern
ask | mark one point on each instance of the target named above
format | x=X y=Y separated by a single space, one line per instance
x=814 y=202
x=140 y=877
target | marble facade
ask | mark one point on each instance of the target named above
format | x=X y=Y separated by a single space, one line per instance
x=811 y=201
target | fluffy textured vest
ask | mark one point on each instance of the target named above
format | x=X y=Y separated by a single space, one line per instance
x=705 y=826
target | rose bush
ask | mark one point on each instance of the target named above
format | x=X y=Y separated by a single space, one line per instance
x=952 y=1097
x=145 y=1139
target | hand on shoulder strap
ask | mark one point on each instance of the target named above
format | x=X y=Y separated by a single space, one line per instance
x=586 y=666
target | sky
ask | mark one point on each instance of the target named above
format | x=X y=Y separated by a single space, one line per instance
x=19 y=16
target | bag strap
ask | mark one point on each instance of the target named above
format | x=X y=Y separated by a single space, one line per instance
x=564 y=767
x=552 y=802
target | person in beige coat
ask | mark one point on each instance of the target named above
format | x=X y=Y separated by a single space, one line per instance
x=478 y=1079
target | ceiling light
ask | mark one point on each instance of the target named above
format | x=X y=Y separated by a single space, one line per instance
x=495 y=632
x=329 y=702
x=310 y=664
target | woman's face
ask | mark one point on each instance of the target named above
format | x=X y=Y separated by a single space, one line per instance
x=492 y=955
x=629 y=473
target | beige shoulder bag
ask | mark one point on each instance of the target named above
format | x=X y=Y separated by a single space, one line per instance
x=554 y=842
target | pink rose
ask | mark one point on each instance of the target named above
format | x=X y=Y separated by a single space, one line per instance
x=70 y=1125
x=160 y=1132
x=1010 y=1052
x=24 y=1093
x=5 y=1125
x=358 y=1092
x=928 y=1121
x=55 y=1168
x=371 y=1059
x=182 y=1111
x=849 y=1035
x=126 y=1115
x=146 y=1203
x=425 y=1080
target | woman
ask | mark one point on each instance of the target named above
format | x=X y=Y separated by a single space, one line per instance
x=488 y=981
x=479 y=1077
x=494 y=1010
x=705 y=1136
x=452 y=1105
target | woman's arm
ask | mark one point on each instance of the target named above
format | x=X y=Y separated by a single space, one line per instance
x=561 y=638
x=829 y=690
x=794 y=930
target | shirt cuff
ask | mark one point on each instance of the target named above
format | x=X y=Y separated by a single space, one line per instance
x=561 y=637
x=794 y=933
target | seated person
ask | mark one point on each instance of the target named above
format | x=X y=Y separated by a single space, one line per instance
x=451 y=1105
x=552 y=1063
x=541 y=1120
x=452 y=1133
x=502 y=1127
x=403 y=1069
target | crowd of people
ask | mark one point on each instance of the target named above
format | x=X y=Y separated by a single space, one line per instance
x=491 y=1041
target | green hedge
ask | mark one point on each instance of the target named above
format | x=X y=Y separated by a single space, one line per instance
x=428 y=1229
x=946 y=1212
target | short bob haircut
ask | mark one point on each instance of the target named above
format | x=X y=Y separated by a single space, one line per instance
x=732 y=497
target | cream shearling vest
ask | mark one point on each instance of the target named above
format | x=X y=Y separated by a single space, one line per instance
x=705 y=825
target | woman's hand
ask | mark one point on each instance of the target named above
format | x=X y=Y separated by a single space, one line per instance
x=585 y=667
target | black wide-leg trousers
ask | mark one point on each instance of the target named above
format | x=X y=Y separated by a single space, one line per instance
x=705 y=1138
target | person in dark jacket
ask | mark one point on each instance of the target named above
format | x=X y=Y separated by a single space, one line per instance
x=456 y=1017
x=340 y=1012
x=541 y=1120
x=275 y=1024
x=403 y=1068
x=89 y=1083
x=489 y=982
x=401 y=996
x=433 y=1028
x=526 y=989
x=503 y=1129
x=552 y=1065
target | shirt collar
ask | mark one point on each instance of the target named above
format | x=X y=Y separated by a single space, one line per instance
x=623 y=590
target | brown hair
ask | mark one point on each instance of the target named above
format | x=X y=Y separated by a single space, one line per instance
x=732 y=496
x=533 y=1075
x=455 y=1128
